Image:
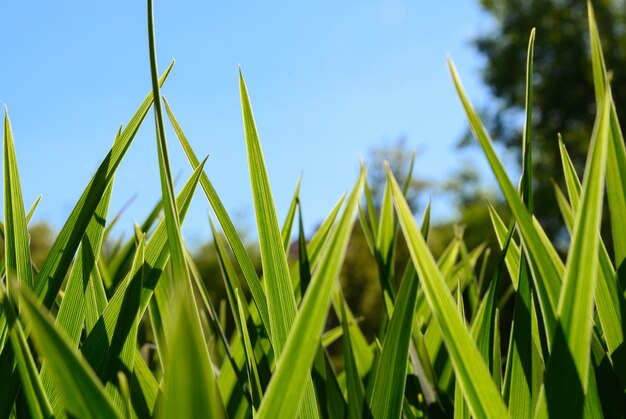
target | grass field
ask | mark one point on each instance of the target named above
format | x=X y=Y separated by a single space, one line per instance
x=69 y=333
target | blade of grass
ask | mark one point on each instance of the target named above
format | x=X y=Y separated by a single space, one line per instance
x=97 y=343
x=281 y=302
x=482 y=396
x=610 y=300
x=291 y=214
x=567 y=372
x=54 y=269
x=547 y=281
x=71 y=315
x=355 y=389
x=239 y=250
x=32 y=387
x=254 y=381
x=390 y=380
x=16 y=239
x=81 y=392
x=287 y=386
x=190 y=389
x=616 y=157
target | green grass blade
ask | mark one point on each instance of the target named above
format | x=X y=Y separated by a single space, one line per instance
x=610 y=300
x=280 y=300
x=386 y=230
x=190 y=389
x=287 y=386
x=54 y=269
x=371 y=210
x=390 y=380
x=96 y=347
x=143 y=388
x=304 y=264
x=355 y=389
x=616 y=160
x=239 y=250
x=291 y=214
x=172 y=223
x=519 y=384
x=32 y=387
x=481 y=395
x=547 y=281
x=119 y=265
x=81 y=393
x=254 y=381
x=80 y=284
x=16 y=239
x=567 y=372
x=513 y=253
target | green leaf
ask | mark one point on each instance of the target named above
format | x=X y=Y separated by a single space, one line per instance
x=287 y=386
x=280 y=300
x=610 y=300
x=390 y=379
x=81 y=289
x=547 y=279
x=254 y=381
x=54 y=269
x=481 y=395
x=190 y=389
x=567 y=372
x=16 y=239
x=80 y=391
x=513 y=252
x=239 y=250
x=172 y=223
x=356 y=392
x=291 y=214
x=32 y=387
x=616 y=158
x=97 y=345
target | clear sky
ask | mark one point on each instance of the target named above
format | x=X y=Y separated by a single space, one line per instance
x=328 y=81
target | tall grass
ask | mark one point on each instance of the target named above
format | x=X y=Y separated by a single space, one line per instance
x=69 y=333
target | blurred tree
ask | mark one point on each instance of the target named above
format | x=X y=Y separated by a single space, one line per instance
x=563 y=89
x=41 y=238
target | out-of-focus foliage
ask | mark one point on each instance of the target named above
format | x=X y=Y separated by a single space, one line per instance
x=563 y=97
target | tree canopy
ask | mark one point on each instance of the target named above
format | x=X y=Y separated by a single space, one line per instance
x=563 y=88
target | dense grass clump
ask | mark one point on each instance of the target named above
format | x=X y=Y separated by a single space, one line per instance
x=135 y=334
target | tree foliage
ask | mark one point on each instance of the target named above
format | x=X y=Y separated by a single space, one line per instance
x=564 y=99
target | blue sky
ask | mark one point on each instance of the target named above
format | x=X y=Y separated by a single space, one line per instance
x=328 y=81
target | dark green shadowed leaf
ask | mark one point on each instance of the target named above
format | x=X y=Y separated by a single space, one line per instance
x=254 y=382
x=97 y=346
x=32 y=387
x=356 y=391
x=388 y=389
x=81 y=393
x=81 y=288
